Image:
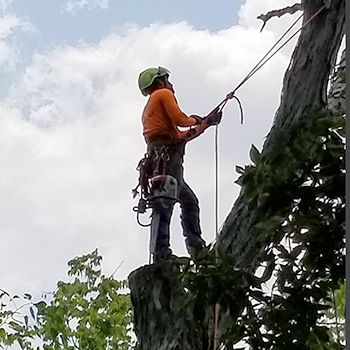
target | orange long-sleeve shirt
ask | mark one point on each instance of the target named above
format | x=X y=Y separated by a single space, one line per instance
x=162 y=115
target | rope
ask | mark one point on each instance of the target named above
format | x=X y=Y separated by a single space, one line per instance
x=240 y=107
x=257 y=67
x=216 y=185
x=220 y=107
x=217 y=307
x=266 y=58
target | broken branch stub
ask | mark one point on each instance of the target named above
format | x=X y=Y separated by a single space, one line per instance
x=278 y=13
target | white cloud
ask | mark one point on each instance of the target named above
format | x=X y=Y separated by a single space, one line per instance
x=70 y=134
x=11 y=26
x=4 y=5
x=73 y=6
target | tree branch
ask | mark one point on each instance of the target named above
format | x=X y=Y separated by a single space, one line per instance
x=278 y=13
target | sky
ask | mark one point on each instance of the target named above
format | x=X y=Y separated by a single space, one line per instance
x=70 y=121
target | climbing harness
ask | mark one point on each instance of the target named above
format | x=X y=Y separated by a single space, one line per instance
x=220 y=106
x=144 y=168
x=157 y=190
x=159 y=156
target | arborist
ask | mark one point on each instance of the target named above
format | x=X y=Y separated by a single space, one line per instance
x=161 y=118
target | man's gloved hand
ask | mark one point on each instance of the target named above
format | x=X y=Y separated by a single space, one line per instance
x=214 y=117
x=198 y=118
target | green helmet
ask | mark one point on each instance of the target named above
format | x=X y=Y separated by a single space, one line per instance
x=148 y=76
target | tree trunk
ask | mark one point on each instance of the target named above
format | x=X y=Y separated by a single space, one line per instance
x=161 y=319
x=304 y=92
x=157 y=295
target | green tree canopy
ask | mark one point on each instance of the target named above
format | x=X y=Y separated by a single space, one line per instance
x=91 y=311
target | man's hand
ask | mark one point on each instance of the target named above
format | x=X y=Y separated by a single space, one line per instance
x=214 y=117
x=198 y=118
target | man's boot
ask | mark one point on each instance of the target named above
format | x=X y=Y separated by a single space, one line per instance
x=163 y=255
x=196 y=247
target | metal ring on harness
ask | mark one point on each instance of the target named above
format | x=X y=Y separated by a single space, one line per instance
x=165 y=156
x=140 y=223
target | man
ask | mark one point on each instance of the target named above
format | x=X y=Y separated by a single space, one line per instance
x=161 y=118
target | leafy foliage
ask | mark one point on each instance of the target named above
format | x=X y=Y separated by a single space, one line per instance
x=335 y=316
x=283 y=299
x=90 y=312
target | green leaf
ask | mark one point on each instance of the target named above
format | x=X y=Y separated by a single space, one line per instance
x=20 y=342
x=2 y=333
x=283 y=251
x=32 y=312
x=271 y=264
x=27 y=296
x=239 y=169
x=296 y=251
x=40 y=306
x=258 y=295
x=254 y=154
x=14 y=325
x=239 y=181
x=26 y=320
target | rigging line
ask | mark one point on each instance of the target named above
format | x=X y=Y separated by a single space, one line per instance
x=240 y=107
x=261 y=63
x=216 y=145
x=216 y=185
x=280 y=48
x=256 y=67
x=265 y=59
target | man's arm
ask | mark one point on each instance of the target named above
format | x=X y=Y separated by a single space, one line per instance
x=172 y=109
x=213 y=118
x=193 y=132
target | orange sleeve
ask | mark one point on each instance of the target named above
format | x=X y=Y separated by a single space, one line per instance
x=172 y=109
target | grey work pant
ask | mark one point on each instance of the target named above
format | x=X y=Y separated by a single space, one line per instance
x=188 y=203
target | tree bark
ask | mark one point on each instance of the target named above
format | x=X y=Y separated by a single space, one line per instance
x=336 y=95
x=305 y=82
x=162 y=321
